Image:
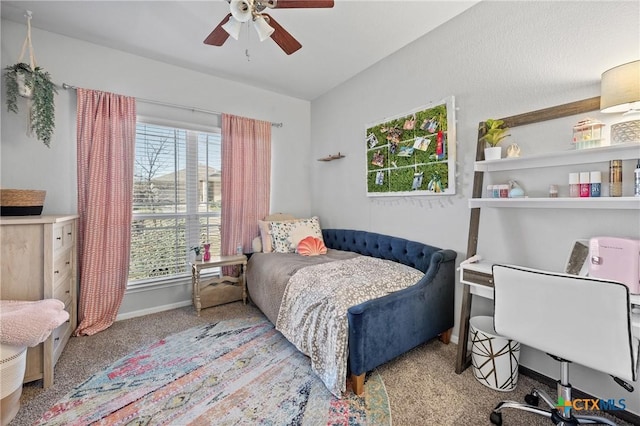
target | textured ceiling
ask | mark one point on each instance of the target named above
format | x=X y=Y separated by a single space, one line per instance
x=338 y=43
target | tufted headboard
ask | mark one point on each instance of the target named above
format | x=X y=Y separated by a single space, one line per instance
x=411 y=253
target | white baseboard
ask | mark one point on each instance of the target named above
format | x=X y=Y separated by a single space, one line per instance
x=454 y=339
x=153 y=310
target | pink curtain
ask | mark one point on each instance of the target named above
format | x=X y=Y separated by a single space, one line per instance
x=106 y=132
x=246 y=180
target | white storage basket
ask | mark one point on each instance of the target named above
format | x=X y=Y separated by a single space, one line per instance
x=13 y=362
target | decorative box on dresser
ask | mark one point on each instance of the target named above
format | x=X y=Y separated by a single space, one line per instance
x=38 y=261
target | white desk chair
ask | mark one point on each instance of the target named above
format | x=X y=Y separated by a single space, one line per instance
x=571 y=318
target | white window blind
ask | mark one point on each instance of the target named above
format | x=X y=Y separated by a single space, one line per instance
x=176 y=201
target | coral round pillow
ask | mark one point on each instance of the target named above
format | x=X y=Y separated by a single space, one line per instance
x=311 y=246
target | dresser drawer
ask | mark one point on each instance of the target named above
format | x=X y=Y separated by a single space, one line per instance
x=63 y=235
x=58 y=243
x=62 y=266
x=60 y=336
x=68 y=235
x=477 y=277
x=63 y=288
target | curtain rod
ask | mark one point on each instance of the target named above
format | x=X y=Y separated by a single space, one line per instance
x=151 y=101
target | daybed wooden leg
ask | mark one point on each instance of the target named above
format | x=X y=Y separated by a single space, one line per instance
x=357 y=383
x=446 y=336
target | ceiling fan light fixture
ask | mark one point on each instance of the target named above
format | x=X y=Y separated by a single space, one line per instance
x=233 y=27
x=263 y=29
x=244 y=10
x=241 y=10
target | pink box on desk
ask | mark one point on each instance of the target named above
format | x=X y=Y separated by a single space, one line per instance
x=616 y=259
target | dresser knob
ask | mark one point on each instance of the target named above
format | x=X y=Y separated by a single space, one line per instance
x=56 y=339
x=56 y=272
x=58 y=238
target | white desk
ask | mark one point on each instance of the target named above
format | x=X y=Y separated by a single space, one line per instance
x=479 y=277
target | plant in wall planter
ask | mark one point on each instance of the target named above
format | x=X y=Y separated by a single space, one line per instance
x=35 y=85
x=494 y=133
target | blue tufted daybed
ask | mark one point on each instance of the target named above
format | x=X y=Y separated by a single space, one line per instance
x=385 y=327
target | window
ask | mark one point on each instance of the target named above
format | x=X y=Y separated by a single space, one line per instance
x=176 y=200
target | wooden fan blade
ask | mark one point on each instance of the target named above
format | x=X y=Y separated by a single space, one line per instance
x=297 y=4
x=218 y=36
x=282 y=38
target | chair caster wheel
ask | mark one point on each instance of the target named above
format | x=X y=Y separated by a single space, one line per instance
x=532 y=399
x=496 y=418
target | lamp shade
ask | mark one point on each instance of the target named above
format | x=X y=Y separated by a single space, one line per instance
x=233 y=27
x=241 y=10
x=620 y=88
x=263 y=29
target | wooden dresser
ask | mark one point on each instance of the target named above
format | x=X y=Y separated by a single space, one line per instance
x=38 y=261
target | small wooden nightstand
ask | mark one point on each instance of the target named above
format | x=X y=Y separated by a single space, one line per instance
x=220 y=290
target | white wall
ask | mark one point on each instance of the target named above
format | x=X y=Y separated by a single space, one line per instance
x=26 y=163
x=498 y=59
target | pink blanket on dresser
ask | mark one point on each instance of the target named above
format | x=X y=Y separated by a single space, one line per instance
x=26 y=323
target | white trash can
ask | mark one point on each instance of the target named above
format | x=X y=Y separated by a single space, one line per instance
x=494 y=358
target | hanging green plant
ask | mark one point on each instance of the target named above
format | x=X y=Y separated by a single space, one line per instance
x=35 y=84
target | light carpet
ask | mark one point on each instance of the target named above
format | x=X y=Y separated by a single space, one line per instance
x=239 y=371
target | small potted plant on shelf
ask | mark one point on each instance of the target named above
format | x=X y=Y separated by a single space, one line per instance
x=196 y=250
x=34 y=84
x=494 y=133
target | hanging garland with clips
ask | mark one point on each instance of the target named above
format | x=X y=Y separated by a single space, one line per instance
x=33 y=83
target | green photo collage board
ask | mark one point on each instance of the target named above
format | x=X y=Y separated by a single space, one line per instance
x=413 y=154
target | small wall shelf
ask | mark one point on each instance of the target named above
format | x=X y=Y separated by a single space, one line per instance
x=332 y=157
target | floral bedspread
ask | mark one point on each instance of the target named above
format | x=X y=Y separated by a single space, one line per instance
x=313 y=313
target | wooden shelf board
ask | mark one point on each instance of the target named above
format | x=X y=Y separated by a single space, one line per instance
x=331 y=157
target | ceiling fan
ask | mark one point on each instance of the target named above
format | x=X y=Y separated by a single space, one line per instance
x=242 y=11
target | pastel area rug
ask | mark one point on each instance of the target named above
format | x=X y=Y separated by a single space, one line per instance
x=233 y=372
